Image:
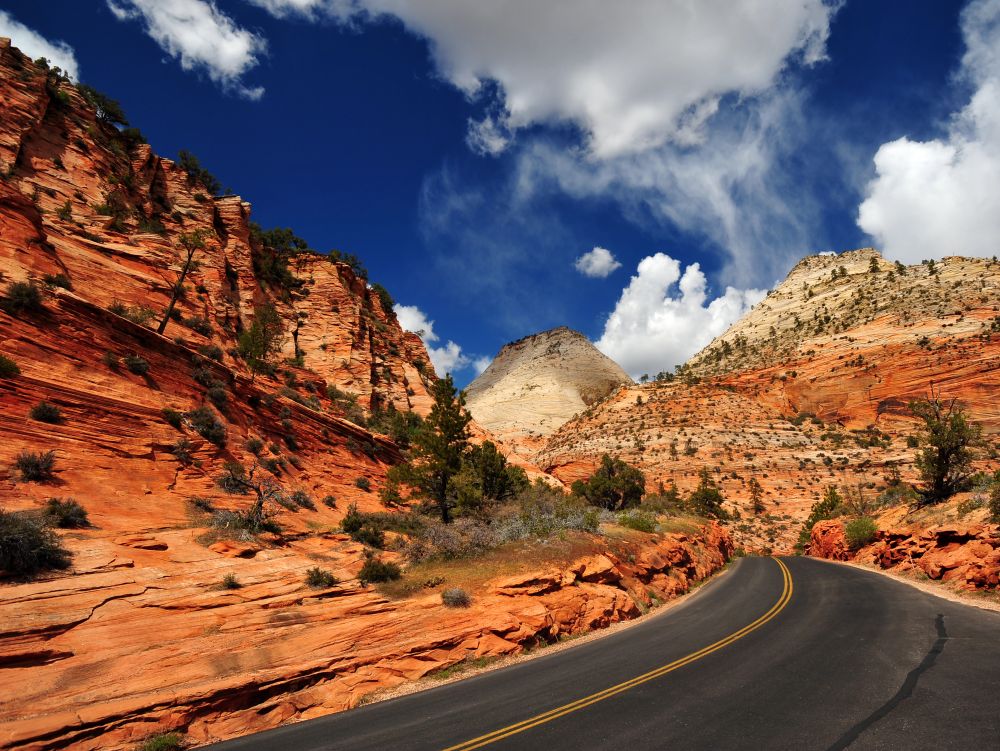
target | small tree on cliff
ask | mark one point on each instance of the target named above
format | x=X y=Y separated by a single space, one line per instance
x=440 y=446
x=756 y=496
x=830 y=506
x=192 y=242
x=706 y=500
x=260 y=343
x=614 y=485
x=945 y=461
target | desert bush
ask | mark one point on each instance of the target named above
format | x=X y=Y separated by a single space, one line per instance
x=254 y=446
x=994 y=502
x=202 y=504
x=198 y=324
x=58 y=280
x=301 y=499
x=173 y=417
x=376 y=570
x=229 y=581
x=319 y=578
x=66 y=514
x=22 y=297
x=218 y=396
x=111 y=360
x=860 y=532
x=233 y=478
x=181 y=449
x=456 y=597
x=329 y=501
x=136 y=364
x=162 y=742
x=829 y=507
x=204 y=377
x=363 y=483
x=207 y=425
x=243 y=525
x=28 y=546
x=211 y=351
x=36 y=467
x=45 y=412
x=138 y=314
x=8 y=368
x=642 y=521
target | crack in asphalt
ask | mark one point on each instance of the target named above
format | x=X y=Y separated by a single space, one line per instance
x=905 y=691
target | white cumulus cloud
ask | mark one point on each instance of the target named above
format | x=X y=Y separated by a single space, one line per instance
x=930 y=199
x=34 y=45
x=655 y=327
x=200 y=36
x=597 y=264
x=447 y=358
x=630 y=75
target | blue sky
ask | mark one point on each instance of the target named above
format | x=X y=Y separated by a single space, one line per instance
x=471 y=153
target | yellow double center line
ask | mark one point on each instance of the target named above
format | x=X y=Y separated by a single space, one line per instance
x=586 y=701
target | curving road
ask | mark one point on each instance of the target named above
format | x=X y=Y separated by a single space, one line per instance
x=776 y=654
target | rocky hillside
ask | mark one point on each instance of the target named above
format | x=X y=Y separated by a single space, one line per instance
x=809 y=389
x=537 y=383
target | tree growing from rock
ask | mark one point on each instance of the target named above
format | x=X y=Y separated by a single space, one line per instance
x=706 y=500
x=440 y=446
x=614 y=485
x=261 y=343
x=756 y=496
x=948 y=439
x=192 y=242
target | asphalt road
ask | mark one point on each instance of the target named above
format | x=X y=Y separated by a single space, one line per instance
x=801 y=654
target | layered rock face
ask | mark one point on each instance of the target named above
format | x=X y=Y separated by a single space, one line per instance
x=809 y=389
x=536 y=384
x=141 y=640
x=965 y=555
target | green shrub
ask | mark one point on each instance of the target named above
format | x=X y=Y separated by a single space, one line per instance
x=318 y=578
x=860 y=532
x=36 y=467
x=218 y=396
x=243 y=525
x=66 y=514
x=254 y=446
x=706 y=500
x=301 y=499
x=202 y=504
x=58 y=280
x=28 y=546
x=614 y=485
x=181 y=450
x=211 y=351
x=199 y=325
x=329 y=501
x=207 y=425
x=233 y=478
x=229 y=581
x=138 y=314
x=65 y=211
x=363 y=483
x=8 y=368
x=45 y=412
x=456 y=597
x=22 y=297
x=173 y=417
x=136 y=364
x=994 y=502
x=111 y=360
x=376 y=570
x=641 y=521
x=162 y=742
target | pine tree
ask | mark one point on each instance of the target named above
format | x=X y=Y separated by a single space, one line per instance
x=945 y=462
x=756 y=496
x=192 y=242
x=440 y=445
x=262 y=341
